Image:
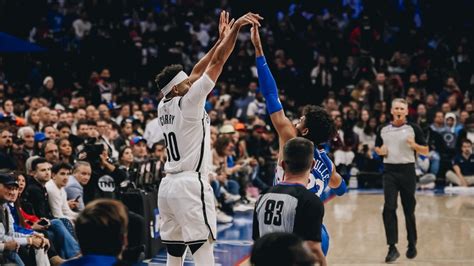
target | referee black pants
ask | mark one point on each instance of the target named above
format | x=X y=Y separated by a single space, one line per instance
x=399 y=178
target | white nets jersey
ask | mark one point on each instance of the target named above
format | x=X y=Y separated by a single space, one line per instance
x=186 y=129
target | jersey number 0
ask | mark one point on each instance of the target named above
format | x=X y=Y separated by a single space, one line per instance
x=172 y=146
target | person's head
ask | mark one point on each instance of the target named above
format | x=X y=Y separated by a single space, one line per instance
x=50 y=132
x=60 y=174
x=399 y=110
x=82 y=172
x=126 y=127
x=6 y=139
x=8 y=106
x=421 y=110
x=126 y=156
x=41 y=170
x=65 y=148
x=315 y=124
x=298 y=156
x=450 y=119
x=159 y=150
x=50 y=151
x=139 y=147
x=8 y=188
x=48 y=83
x=380 y=78
x=466 y=147
x=439 y=118
x=43 y=113
x=103 y=127
x=27 y=134
x=101 y=228
x=20 y=178
x=284 y=249
x=64 y=130
x=224 y=145
x=364 y=115
x=83 y=128
x=172 y=81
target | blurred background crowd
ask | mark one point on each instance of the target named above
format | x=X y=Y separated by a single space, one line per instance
x=91 y=97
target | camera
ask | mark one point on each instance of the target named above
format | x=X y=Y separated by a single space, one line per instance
x=92 y=150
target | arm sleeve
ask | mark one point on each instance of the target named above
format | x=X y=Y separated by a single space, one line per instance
x=255 y=230
x=419 y=136
x=55 y=203
x=192 y=103
x=268 y=86
x=378 y=138
x=314 y=212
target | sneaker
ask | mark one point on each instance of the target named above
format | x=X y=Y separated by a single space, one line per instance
x=223 y=218
x=240 y=207
x=392 y=255
x=231 y=198
x=411 y=251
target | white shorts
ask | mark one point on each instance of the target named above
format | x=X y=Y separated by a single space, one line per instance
x=187 y=209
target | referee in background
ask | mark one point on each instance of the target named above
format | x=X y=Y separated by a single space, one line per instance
x=398 y=143
x=290 y=207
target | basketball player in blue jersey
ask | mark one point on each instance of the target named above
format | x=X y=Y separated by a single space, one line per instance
x=315 y=125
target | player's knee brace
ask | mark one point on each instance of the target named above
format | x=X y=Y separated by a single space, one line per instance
x=176 y=250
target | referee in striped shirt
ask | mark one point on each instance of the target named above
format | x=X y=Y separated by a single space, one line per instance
x=398 y=143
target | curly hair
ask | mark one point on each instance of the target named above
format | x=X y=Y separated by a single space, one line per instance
x=166 y=75
x=319 y=123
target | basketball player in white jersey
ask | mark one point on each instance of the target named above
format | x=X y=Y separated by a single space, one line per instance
x=185 y=198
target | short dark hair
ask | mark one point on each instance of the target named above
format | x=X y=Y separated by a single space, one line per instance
x=319 y=123
x=57 y=167
x=82 y=122
x=280 y=249
x=466 y=141
x=101 y=227
x=298 y=155
x=166 y=75
x=62 y=125
x=37 y=161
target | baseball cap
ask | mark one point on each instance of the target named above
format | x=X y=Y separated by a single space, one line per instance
x=240 y=127
x=40 y=136
x=227 y=129
x=135 y=140
x=8 y=180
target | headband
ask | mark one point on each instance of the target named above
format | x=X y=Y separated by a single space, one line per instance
x=180 y=77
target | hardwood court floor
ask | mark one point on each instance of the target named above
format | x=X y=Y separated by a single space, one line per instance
x=445 y=230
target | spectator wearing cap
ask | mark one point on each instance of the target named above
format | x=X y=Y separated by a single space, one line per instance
x=47 y=91
x=6 y=157
x=139 y=149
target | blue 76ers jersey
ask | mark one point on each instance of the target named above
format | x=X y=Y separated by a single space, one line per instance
x=319 y=177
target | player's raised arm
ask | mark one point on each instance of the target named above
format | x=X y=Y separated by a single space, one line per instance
x=224 y=49
x=269 y=90
x=201 y=66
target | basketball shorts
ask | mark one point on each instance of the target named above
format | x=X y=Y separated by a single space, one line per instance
x=187 y=209
x=324 y=240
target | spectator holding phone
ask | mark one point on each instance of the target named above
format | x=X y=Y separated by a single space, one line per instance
x=81 y=175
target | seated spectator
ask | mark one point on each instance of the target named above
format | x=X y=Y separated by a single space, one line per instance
x=57 y=195
x=102 y=232
x=6 y=158
x=35 y=202
x=81 y=175
x=139 y=149
x=463 y=166
x=283 y=249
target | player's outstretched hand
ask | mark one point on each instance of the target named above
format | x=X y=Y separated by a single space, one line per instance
x=247 y=19
x=255 y=36
x=224 y=24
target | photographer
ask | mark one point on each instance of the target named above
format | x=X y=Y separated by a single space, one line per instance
x=105 y=175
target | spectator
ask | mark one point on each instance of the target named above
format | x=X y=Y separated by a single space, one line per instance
x=50 y=151
x=65 y=151
x=59 y=205
x=6 y=157
x=139 y=149
x=80 y=177
x=283 y=249
x=463 y=166
x=102 y=232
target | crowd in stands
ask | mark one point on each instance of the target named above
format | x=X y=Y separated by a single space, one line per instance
x=78 y=122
